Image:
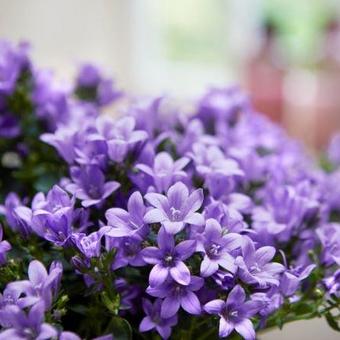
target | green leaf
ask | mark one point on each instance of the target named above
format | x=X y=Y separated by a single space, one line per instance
x=303 y=308
x=120 y=328
x=332 y=322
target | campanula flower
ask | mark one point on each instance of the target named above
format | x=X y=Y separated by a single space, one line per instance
x=153 y=320
x=176 y=209
x=235 y=313
x=168 y=259
x=254 y=266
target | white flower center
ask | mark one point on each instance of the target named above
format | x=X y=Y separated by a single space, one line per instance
x=175 y=214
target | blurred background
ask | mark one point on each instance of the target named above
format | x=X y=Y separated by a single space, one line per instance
x=284 y=53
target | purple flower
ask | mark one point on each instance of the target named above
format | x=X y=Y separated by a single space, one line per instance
x=176 y=295
x=89 y=185
x=64 y=141
x=329 y=235
x=120 y=136
x=9 y=126
x=332 y=283
x=90 y=244
x=90 y=77
x=130 y=222
x=153 y=319
x=128 y=251
x=39 y=284
x=176 y=209
x=68 y=336
x=168 y=259
x=13 y=60
x=27 y=326
x=217 y=170
x=254 y=266
x=270 y=302
x=4 y=248
x=165 y=171
x=17 y=215
x=52 y=216
x=291 y=278
x=51 y=99
x=235 y=313
x=217 y=246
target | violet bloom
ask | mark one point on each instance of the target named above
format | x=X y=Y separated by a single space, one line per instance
x=129 y=252
x=64 y=140
x=153 y=320
x=50 y=98
x=218 y=171
x=9 y=126
x=165 y=171
x=119 y=135
x=18 y=219
x=52 y=216
x=13 y=60
x=176 y=295
x=235 y=313
x=127 y=223
x=168 y=259
x=254 y=266
x=329 y=235
x=90 y=78
x=292 y=277
x=89 y=185
x=217 y=246
x=4 y=248
x=68 y=336
x=40 y=283
x=27 y=326
x=90 y=244
x=176 y=209
x=332 y=283
x=270 y=302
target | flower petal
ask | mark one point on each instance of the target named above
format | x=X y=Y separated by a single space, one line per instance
x=225 y=328
x=190 y=303
x=158 y=275
x=236 y=296
x=37 y=273
x=146 y=324
x=264 y=254
x=155 y=216
x=180 y=273
x=214 y=306
x=246 y=329
x=208 y=267
x=170 y=307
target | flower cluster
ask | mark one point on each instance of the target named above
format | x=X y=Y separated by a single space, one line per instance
x=210 y=222
x=32 y=102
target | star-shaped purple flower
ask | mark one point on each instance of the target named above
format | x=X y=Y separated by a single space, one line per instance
x=130 y=222
x=176 y=295
x=217 y=249
x=89 y=185
x=153 y=320
x=176 y=209
x=255 y=266
x=165 y=170
x=235 y=313
x=4 y=248
x=168 y=259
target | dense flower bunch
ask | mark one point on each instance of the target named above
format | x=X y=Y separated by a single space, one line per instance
x=32 y=102
x=190 y=225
